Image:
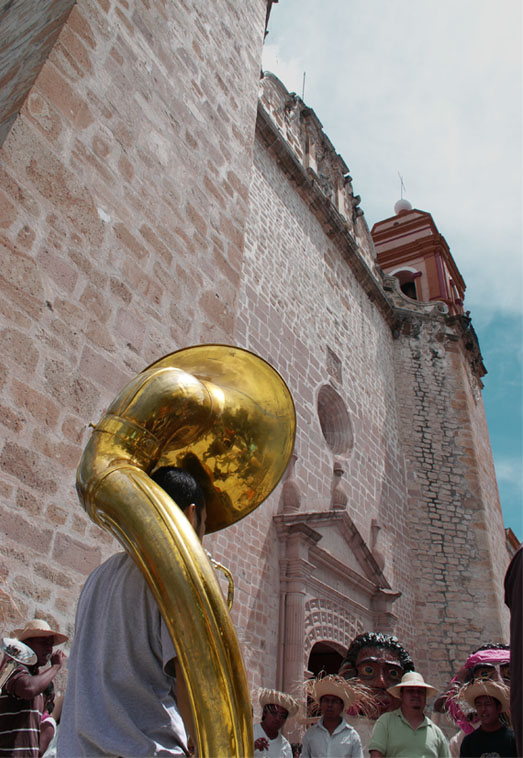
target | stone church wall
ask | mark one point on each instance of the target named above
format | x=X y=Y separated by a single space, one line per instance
x=419 y=465
x=123 y=187
x=459 y=556
x=139 y=215
x=301 y=306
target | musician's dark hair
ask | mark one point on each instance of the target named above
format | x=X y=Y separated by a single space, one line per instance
x=182 y=487
x=381 y=640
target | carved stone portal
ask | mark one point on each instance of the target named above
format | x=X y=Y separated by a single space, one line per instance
x=331 y=588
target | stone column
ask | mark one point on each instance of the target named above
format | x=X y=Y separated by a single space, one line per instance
x=295 y=570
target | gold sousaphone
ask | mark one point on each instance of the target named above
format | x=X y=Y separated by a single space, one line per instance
x=227 y=416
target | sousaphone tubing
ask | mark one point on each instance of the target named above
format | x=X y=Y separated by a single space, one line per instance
x=227 y=416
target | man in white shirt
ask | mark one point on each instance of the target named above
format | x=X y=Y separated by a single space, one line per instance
x=277 y=707
x=332 y=736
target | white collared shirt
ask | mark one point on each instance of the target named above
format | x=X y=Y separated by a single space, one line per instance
x=344 y=742
x=279 y=747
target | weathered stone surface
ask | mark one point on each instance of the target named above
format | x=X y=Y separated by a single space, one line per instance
x=149 y=202
x=27 y=34
x=110 y=176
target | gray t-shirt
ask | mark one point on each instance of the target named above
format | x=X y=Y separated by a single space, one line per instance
x=119 y=699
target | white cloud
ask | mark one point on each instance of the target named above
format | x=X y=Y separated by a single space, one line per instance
x=510 y=470
x=433 y=90
x=289 y=71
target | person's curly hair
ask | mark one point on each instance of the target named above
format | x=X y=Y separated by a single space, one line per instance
x=378 y=639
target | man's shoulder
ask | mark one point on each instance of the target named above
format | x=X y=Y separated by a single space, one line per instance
x=389 y=716
x=313 y=727
x=382 y=731
x=478 y=735
x=469 y=743
x=345 y=724
x=119 y=567
x=472 y=737
x=20 y=674
x=108 y=565
x=285 y=741
x=115 y=562
x=435 y=728
x=19 y=671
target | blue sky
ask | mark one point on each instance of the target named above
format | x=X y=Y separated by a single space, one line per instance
x=432 y=89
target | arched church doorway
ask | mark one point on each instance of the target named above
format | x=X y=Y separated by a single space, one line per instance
x=325 y=657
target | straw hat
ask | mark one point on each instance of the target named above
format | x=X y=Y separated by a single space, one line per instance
x=486 y=687
x=412 y=679
x=332 y=684
x=39 y=628
x=281 y=699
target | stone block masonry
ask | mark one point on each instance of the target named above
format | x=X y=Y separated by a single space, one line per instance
x=140 y=214
x=28 y=32
x=455 y=522
x=300 y=305
x=123 y=193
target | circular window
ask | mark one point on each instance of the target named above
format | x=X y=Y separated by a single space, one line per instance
x=334 y=421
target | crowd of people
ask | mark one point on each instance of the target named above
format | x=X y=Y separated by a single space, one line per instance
x=126 y=694
x=402 y=728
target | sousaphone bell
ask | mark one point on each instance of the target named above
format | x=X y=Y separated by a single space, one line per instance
x=227 y=416
x=14 y=654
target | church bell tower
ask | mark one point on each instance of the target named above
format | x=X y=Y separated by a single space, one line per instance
x=410 y=248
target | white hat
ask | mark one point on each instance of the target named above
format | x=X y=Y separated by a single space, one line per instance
x=487 y=687
x=39 y=628
x=412 y=679
x=281 y=699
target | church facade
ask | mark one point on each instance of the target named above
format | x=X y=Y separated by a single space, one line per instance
x=157 y=193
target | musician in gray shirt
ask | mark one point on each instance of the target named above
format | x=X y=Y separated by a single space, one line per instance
x=121 y=692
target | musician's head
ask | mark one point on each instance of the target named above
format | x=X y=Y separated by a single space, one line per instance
x=183 y=488
x=42 y=647
x=41 y=638
x=274 y=716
